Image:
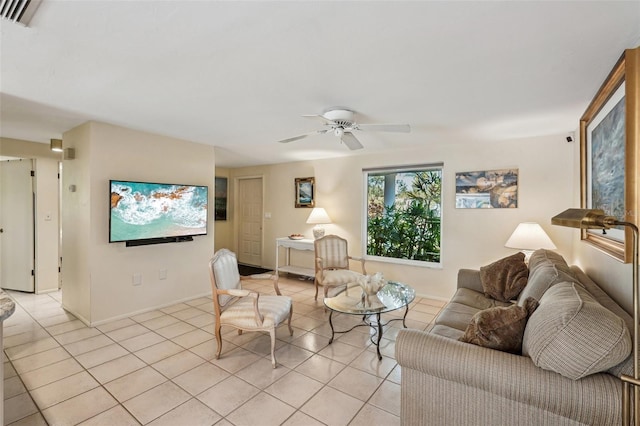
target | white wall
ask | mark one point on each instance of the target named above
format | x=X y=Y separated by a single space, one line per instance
x=76 y=225
x=470 y=238
x=97 y=275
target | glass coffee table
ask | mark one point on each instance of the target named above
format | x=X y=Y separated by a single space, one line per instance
x=351 y=300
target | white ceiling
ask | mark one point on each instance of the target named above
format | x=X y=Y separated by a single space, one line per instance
x=239 y=75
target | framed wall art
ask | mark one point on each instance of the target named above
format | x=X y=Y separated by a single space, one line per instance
x=609 y=132
x=487 y=189
x=220 y=198
x=305 y=196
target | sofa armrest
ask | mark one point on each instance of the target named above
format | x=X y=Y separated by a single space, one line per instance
x=511 y=377
x=470 y=278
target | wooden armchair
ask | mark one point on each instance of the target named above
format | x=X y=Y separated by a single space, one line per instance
x=243 y=309
x=332 y=263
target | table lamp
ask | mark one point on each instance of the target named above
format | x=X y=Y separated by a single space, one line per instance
x=528 y=237
x=318 y=217
x=596 y=219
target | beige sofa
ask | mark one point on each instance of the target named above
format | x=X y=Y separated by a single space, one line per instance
x=448 y=382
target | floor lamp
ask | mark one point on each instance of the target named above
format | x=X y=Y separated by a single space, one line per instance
x=596 y=219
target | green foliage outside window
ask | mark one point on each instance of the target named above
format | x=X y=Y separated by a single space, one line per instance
x=408 y=227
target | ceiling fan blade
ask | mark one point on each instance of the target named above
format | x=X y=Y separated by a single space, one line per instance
x=401 y=128
x=295 y=138
x=322 y=118
x=351 y=141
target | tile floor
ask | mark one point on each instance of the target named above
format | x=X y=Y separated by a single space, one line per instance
x=158 y=368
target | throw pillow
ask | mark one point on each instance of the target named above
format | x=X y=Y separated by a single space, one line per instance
x=574 y=335
x=500 y=328
x=504 y=279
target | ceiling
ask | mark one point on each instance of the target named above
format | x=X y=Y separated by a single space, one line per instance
x=238 y=75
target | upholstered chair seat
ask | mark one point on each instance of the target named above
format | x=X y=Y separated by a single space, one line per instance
x=274 y=310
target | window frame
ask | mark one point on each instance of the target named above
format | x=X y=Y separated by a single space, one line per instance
x=366 y=172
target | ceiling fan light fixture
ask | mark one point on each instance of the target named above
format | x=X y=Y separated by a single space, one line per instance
x=341 y=122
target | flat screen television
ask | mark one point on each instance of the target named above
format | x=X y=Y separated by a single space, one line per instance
x=150 y=213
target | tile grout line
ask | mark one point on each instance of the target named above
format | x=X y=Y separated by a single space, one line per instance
x=304 y=314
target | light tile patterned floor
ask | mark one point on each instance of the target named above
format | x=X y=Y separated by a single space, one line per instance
x=159 y=368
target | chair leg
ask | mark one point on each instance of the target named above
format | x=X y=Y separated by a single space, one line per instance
x=316 y=296
x=272 y=332
x=275 y=285
x=218 y=340
x=289 y=322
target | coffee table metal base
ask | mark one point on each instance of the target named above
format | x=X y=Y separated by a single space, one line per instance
x=377 y=327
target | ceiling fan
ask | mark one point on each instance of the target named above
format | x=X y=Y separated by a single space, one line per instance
x=341 y=122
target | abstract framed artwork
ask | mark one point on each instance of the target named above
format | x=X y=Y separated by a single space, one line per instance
x=220 y=198
x=487 y=189
x=609 y=132
x=305 y=188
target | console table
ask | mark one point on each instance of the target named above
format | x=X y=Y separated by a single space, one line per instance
x=288 y=244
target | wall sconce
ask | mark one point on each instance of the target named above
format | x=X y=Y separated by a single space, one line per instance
x=56 y=145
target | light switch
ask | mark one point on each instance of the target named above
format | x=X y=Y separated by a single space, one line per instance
x=137 y=279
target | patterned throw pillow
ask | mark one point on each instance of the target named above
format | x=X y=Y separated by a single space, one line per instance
x=504 y=279
x=500 y=328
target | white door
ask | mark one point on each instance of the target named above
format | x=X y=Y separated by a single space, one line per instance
x=250 y=226
x=17 y=225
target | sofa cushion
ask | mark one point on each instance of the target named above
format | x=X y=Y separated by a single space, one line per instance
x=456 y=315
x=465 y=296
x=546 y=268
x=504 y=279
x=446 y=331
x=625 y=367
x=572 y=334
x=500 y=328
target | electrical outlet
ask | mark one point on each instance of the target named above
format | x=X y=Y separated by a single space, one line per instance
x=137 y=279
x=162 y=274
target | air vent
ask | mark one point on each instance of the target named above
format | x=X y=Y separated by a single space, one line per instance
x=20 y=11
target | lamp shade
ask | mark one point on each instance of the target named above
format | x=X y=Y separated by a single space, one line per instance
x=318 y=216
x=529 y=236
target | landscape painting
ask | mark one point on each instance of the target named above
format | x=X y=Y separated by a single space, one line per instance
x=220 y=198
x=304 y=192
x=607 y=165
x=487 y=189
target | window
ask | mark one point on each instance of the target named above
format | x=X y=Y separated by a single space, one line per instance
x=404 y=211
